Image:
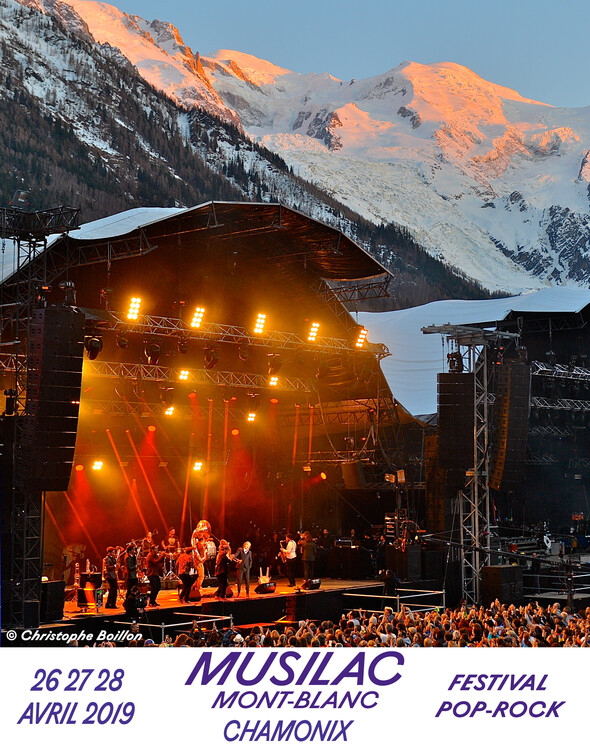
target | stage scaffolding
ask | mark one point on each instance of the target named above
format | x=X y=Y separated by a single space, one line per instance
x=474 y=346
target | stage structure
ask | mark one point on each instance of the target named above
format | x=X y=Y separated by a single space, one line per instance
x=477 y=352
x=31 y=461
x=223 y=378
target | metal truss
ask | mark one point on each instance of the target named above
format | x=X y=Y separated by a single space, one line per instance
x=579 y=462
x=474 y=499
x=550 y=431
x=560 y=371
x=150 y=325
x=157 y=373
x=546 y=459
x=360 y=292
x=560 y=404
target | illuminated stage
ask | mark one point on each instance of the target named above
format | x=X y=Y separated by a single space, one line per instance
x=285 y=606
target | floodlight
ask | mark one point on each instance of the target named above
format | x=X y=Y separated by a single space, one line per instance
x=197 y=317
x=313 y=332
x=134 y=305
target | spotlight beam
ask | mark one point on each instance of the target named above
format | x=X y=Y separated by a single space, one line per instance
x=127 y=481
x=147 y=480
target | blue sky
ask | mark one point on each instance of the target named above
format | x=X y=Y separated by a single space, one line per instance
x=537 y=47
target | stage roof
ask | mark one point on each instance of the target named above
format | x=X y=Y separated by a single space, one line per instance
x=416 y=358
x=269 y=231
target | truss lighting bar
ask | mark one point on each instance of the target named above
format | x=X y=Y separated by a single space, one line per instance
x=157 y=326
x=313 y=332
x=157 y=373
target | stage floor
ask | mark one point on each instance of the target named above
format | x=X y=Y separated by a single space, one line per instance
x=168 y=598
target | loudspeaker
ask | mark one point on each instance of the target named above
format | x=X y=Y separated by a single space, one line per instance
x=455 y=419
x=511 y=425
x=53 y=594
x=352 y=473
x=311 y=584
x=268 y=588
x=405 y=564
x=209 y=581
x=503 y=583
x=45 y=449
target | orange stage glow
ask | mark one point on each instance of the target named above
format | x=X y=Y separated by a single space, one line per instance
x=323 y=476
x=274 y=401
x=79 y=467
x=235 y=432
x=151 y=427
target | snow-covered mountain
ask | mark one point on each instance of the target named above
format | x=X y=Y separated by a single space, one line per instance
x=490 y=182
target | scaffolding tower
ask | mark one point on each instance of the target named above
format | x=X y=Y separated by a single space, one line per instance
x=473 y=349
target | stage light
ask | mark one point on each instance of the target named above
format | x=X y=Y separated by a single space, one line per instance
x=183 y=345
x=243 y=352
x=134 y=305
x=274 y=381
x=152 y=353
x=197 y=317
x=122 y=342
x=183 y=374
x=93 y=346
x=169 y=411
x=193 y=394
x=361 y=338
x=210 y=358
x=197 y=467
x=151 y=427
x=235 y=432
x=79 y=468
x=274 y=401
x=323 y=476
x=252 y=416
x=313 y=332
x=97 y=465
x=260 y=322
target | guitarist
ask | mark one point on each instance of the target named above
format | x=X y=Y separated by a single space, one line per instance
x=243 y=556
x=289 y=554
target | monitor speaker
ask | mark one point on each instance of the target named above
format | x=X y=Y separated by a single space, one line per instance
x=311 y=584
x=268 y=588
x=53 y=595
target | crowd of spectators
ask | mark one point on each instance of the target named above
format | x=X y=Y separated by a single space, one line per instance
x=498 y=625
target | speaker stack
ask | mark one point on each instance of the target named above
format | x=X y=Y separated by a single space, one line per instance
x=45 y=450
x=511 y=425
x=311 y=584
x=503 y=583
x=455 y=419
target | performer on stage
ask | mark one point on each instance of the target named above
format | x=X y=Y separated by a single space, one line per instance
x=131 y=565
x=290 y=554
x=199 y=558
x=224 y=558
x=243 y=556
x=308 y=554
x=183 y=566
x=155 y=561
x=110 y=575
x=171 y=544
